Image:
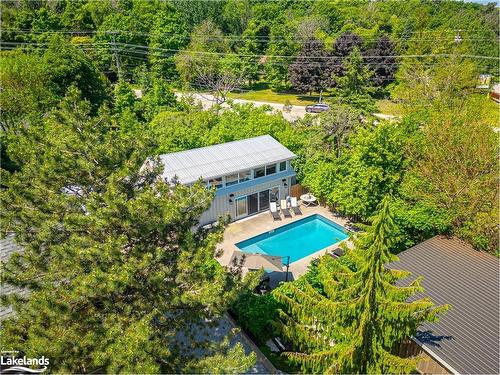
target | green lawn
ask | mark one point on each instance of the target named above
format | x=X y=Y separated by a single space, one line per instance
x=388 y=107
x=267 y=95
x=262 y=93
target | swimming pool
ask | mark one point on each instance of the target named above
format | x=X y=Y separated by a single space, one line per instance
x=297 y=240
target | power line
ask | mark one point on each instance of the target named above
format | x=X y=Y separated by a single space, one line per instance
x=260 y=56
x=238 y=37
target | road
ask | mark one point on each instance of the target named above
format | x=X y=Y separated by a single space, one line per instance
x=207 y=101
x=297 y=111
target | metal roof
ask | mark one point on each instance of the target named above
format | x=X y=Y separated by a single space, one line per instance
x=466 y=337
x=224 y=158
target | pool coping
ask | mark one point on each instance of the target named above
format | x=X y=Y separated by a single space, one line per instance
x=253 y=226
x=336 y=225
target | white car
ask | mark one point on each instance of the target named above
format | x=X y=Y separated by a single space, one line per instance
x=317 y=108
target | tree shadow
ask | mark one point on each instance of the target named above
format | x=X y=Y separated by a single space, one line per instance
x=430 y=339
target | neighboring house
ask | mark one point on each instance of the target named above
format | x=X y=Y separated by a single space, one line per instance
x=466 y=338
x=248 y=174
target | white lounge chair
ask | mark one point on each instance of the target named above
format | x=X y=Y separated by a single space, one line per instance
x=274 y=211
x=284 y=209
x=295 y=206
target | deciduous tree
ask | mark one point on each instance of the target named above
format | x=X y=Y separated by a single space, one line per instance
x=310 y=70
x=382 y=62
x=453 y=175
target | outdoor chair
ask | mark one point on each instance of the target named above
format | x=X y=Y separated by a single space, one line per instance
x=295 y=206
x=284 y=209
x=274 y=211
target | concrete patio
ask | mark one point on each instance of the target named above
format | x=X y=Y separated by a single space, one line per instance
x=252 y=226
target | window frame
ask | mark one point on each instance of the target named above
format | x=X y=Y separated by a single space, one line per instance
x=263 y=168
x=234 y=182
x=271 y=166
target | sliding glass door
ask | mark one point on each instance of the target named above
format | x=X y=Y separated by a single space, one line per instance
x=263 y=200
x=256 y=202
x=253 y=204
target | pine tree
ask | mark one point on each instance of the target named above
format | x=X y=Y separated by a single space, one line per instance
x=252 y=46
x=115 y=272
x=168 y=32
x=356 y=317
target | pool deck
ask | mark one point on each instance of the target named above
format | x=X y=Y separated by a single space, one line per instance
x=254 y=225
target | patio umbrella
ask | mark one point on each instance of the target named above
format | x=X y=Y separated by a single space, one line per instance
x=257 y=261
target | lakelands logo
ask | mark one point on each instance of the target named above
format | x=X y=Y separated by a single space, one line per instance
x=20 y=364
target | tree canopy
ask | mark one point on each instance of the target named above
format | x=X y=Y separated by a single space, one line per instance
x=115 y=273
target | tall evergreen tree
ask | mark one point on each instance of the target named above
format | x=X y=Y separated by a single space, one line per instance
x=353 y=320
x=251 y=48
x=310 y=71
x=118 y=279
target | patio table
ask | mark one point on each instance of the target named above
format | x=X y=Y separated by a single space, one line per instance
x=308 y=199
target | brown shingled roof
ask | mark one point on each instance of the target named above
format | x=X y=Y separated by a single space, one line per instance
x=466 y=338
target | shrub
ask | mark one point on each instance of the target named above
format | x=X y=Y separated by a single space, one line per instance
x=254 y=313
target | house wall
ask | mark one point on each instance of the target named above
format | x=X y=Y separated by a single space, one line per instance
x=426 y=363
x=221 y=205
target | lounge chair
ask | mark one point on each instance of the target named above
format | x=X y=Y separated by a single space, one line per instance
x=284 y=209
x=274 y=211
x=295 y=206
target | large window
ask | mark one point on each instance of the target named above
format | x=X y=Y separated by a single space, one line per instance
x=270 y=169
x=245 y=175
x=259 y=172
x=283 y=166
x=231 y=179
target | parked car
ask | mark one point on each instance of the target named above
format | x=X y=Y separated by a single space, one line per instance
x=317 y=108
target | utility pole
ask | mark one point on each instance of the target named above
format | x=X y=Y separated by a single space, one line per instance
x=116 y=56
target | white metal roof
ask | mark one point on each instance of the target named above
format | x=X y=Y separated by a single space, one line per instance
x=224 y=158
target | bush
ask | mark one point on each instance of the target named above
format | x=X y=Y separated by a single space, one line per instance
x=254 y=313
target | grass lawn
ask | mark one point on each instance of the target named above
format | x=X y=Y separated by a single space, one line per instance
x=261 y=92
x=388 y=107
x=270 y=96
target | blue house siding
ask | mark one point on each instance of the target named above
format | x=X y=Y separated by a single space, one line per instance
x=223 y=204
x=276 y=178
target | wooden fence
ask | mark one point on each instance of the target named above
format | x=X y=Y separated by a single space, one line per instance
x=297 y=190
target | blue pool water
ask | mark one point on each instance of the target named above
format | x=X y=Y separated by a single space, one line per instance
x=297 y=240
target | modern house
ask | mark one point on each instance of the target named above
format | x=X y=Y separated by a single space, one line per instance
x=466 y=339
x=247 y=174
